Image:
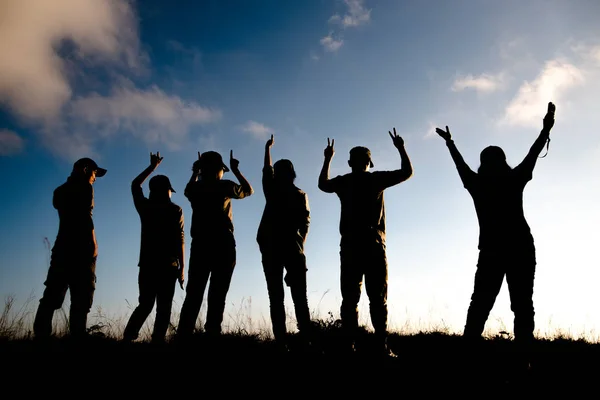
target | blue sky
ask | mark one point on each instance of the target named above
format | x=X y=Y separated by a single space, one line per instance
x=115 y=81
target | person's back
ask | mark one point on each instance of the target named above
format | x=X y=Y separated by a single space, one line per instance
x=499 y=206
x=74 y=202
x=362 y=205
x=161 y=231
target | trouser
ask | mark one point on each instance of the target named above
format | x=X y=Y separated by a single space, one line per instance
x=274 y=261
x=364 y=259
x=78 y=275
x=208 y=258
x=156 y=284
x=519 y=268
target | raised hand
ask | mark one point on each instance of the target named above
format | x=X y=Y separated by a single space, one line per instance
x=155 y=159
x=549 y=118
x=445 y=134
x=270 y=142
x=196 y=165
x=329 y=152
x=398 y=141
x=233 y=163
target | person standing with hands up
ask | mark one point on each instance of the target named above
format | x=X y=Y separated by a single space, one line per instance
x=213 y=247
x=162 y=250
x=506 y=246
x=362 y=229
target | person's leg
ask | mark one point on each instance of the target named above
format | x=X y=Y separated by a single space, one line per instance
x=296 y=280
x=147 y=283
x=273 y=271
x=220 y=280
x=520 y=277
x=82 y=285
x=198 y=273
x=351 y=277
x=53 y=297
x=488 y=281
x=164 y=302
x=376 y=286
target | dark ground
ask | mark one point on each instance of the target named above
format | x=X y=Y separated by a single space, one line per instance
x=427 y=365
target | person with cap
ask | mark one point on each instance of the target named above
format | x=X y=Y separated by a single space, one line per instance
x=363 y=237
x=281 y=237
x=213 y=247
x=506 y=246
x=74 y=253
x=161 y=259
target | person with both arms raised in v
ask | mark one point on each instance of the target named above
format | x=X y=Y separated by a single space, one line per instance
x=506 y=246
x=281 y=237
x=362 y=229
x=213 y=247
x=161 y=260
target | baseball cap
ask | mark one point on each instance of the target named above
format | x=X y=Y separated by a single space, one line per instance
x=212 y=158
x=160 y=182
x=89 y=163
x=361 y=152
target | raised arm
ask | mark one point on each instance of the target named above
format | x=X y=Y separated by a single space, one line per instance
x=464 y=171
x=391 y=178
x=136 y=184
x=528 y=163
x=267 y=173
x=188 y=192
x=246 y=187
x=324 y=181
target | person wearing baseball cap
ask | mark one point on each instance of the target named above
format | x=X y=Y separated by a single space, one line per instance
x=162 y=247
x=362 y=230
x=73 y=257
x=212 y=251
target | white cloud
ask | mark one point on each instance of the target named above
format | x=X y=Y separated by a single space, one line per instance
x=484 y=83
x=33 y=77
x=10 y=143
x=36 y=75
x=151 y=115
x=330 y=44
x=528 y=107
x=356 y=15
x=258 y=130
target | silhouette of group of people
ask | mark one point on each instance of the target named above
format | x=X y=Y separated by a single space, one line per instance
x=506 y=246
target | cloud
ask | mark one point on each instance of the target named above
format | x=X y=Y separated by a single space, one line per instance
x=484 y=83
x=47 y=45
x=356 y=15
x=33 y=76
x=151 y=115
x=330 y=44
x=258 y=130
x=10 y=143
x=528 y=106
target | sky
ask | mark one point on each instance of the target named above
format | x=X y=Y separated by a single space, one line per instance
x=116 y=80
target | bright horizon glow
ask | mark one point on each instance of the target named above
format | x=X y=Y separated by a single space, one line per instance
x=119 y=82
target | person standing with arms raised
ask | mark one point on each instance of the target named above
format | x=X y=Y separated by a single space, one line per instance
x=213 y=247
x=506 y=246
x=362 y=229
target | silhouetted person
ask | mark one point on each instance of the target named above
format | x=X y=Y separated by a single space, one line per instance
x=281 y=237
x=73 y=260
x=362 y=229
x=212 y=251
x=506 y=246
x=162 y=250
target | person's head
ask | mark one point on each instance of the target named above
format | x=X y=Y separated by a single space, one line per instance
x=212 y=165
x=87 y=169
x=360 y=159
x=493 y=162
x=160 y=187
x=284 y=171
